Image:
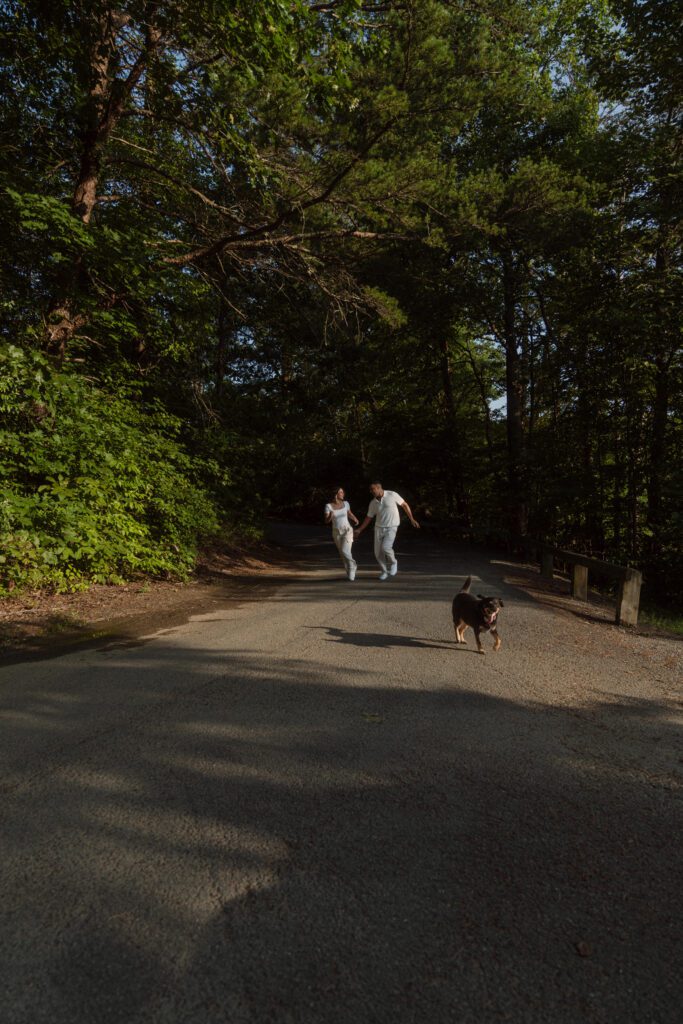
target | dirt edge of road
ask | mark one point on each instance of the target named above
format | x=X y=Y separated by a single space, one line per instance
x=43 y=622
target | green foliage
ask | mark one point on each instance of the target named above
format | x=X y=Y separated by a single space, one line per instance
x=92 y=487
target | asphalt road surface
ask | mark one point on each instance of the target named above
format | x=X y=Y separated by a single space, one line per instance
x=311 y=806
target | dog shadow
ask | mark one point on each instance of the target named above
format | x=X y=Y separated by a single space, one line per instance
x=386 y=640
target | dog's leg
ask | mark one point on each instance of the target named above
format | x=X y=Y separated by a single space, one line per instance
x=477 y=637
x=496 y=639
x=460 y=628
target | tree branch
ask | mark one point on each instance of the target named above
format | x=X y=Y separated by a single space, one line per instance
x=207 y=251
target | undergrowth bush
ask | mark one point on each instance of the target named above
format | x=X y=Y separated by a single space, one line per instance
x=94 y=487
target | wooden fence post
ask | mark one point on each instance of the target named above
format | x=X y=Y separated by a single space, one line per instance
x=628 y=599
x=546 y=562
x=580 y=582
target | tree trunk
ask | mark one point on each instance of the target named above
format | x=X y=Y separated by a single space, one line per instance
x=617 y=494
x=223 y=340
x=455 y=481
x=632 y=518
x=585 y=500
x=657 y=468
x=107 y=99
x=488 y=433
x=362 y=450
x=517 y=471
x=660 y=415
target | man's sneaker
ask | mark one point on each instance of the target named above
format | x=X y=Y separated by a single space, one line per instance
x=393 y=569
x=384 y=575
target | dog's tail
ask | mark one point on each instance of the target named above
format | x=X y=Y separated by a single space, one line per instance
x=466 y=585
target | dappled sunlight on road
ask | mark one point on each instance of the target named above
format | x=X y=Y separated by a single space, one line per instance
x=318 y=804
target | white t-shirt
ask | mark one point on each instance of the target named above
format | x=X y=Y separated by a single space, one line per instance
x=384 y=510
x=340 y=517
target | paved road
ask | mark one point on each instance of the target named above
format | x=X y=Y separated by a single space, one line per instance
x=315 y=808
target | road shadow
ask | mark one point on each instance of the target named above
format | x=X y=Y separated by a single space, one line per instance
x=241 y=842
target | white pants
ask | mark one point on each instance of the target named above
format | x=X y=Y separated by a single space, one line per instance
x=384 y=546
x=344 y=540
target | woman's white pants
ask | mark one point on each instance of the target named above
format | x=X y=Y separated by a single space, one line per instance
x=344 y=540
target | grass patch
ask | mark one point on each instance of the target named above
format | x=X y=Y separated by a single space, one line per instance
x=666 y=619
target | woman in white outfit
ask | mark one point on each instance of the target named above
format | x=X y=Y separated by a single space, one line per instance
x=338 y=512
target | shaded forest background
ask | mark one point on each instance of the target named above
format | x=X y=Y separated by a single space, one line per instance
x=253 y=250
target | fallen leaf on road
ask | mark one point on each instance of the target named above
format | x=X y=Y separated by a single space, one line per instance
x=583 y=948
x=369 y=716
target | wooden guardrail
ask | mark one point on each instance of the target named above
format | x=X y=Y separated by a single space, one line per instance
x=630 y=580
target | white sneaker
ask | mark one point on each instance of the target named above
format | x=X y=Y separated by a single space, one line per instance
x=393 y=569
x=352 y=575
x=384 y=575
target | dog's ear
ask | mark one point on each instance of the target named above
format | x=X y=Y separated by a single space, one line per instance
x=501 y=602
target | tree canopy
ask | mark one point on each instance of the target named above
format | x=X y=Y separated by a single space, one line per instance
x=261 y=249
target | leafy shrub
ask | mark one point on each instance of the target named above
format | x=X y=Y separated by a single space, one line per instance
x=93 y=486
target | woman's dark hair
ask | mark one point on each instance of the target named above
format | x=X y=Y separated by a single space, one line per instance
x=336 y=490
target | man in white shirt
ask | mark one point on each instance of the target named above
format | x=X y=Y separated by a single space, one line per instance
x=384 y=510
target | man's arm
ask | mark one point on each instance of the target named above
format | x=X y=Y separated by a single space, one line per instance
x=406 y=508
x=366 y=522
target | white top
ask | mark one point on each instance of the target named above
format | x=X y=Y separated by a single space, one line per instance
x=340 y=516
x=385 y=509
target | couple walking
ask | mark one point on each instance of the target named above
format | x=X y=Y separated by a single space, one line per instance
x=383 y=508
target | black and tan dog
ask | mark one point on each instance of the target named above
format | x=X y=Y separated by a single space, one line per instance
x=481 y=613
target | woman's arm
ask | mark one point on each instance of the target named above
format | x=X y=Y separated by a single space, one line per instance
x=328 y=514
x=350 y=513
